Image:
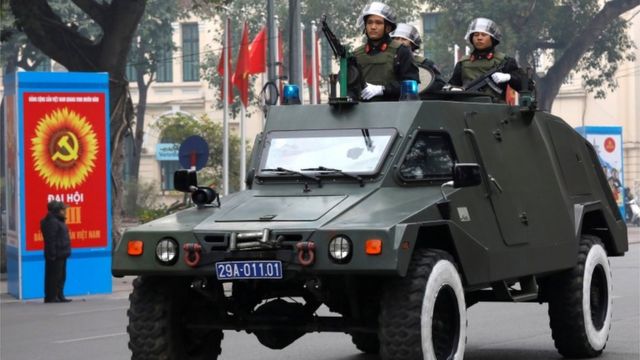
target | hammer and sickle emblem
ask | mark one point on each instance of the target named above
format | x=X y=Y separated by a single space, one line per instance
x=70 y=149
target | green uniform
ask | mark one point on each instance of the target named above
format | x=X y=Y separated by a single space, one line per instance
x=472 y=70
x=378 y=69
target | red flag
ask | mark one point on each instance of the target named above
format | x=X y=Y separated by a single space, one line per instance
x=241 y=76
x=221 y=68
x=306 y=69
x=257 y=51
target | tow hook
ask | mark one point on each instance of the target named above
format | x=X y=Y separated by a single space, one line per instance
x=192 y=254
x=306 y=253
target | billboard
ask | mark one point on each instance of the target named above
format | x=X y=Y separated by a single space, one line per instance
x=58 y=149
x=607 y=141
x=65 y=146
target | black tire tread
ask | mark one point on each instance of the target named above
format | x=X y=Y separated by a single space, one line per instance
x=565 y=307
x=365 y=342
x=400 y=336
x=149 y=326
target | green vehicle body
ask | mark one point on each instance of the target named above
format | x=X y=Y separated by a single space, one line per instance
x=542 y=189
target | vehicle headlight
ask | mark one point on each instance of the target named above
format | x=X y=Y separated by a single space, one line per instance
x=340 y=249
x=167 y=251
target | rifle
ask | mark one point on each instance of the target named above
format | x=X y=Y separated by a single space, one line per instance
x=485 y=80
x=350 y=86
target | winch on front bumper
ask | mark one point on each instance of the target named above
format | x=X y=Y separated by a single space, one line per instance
x=185 y=253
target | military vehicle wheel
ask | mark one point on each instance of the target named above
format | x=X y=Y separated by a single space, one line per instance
x=580 y=303
x=424 y=314
x=158 y=313
x=365 y=342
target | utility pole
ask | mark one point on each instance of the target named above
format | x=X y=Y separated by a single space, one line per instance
x=272 y=49
x=314 y=61
x=225 y=99
x=295 y=60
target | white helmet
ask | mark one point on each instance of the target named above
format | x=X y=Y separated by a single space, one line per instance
x=380 y=9
x=408 y=32
x=486 y=26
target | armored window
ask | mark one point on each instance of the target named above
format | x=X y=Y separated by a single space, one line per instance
x=360 y=151
x=430 y=157
x=190 y=52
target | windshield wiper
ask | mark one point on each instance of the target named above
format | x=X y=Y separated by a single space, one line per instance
x=293 y=172
x=337 y=171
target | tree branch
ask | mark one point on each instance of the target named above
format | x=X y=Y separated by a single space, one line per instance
x=119 y=30
x=47 y=32
x=549 y=45
x=571 y=56
x=93 y=9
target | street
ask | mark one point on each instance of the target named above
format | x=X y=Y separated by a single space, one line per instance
x=95 y=328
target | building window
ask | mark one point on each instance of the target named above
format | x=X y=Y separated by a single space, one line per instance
x=44 y=65
x=164 y=68
x=190 y=52
x=429 y=26
x=167 y=168
x=130 y=72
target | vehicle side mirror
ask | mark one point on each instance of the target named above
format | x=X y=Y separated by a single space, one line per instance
x=465 y=175
x=185 y=180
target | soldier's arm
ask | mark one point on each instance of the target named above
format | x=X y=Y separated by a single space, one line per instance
x=517 y=75
x=456 y=78
x=405 y=70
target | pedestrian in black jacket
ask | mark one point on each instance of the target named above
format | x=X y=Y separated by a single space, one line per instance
x=57 y=248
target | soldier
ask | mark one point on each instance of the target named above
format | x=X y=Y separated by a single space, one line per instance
x=430 y=77
x=384 y=63
x=57 y=248
x=485 y=35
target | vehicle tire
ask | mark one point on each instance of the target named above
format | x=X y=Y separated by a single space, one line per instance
x=580 y=303
x=368 y=343
x=158 y=313
x=424 y=315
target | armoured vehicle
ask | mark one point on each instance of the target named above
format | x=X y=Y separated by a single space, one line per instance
x=395 y=217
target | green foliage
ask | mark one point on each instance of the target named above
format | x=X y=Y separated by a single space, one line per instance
x=17 y=51
x=533 y=28
x=176 y=128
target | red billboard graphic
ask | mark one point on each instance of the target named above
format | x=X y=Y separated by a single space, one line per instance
x=65 y=155
x=609 y=144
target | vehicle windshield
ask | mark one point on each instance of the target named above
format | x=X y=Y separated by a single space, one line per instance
x=359 y=151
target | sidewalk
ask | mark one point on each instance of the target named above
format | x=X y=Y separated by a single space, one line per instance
x=122 y=286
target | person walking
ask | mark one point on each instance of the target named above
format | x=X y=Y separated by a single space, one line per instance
x=57 y=248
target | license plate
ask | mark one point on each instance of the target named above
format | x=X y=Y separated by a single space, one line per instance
x=230 y=270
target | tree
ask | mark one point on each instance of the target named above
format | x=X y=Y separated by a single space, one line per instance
x=152 y=43
x=581 y=36
x=176 y=128
x=61 y=39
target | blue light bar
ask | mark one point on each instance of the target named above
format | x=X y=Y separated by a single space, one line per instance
x=409 y=90
x=291 y=94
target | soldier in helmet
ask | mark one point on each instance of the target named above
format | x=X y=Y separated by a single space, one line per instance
x=384 y=63
x=485 y=35
x=430 y=77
